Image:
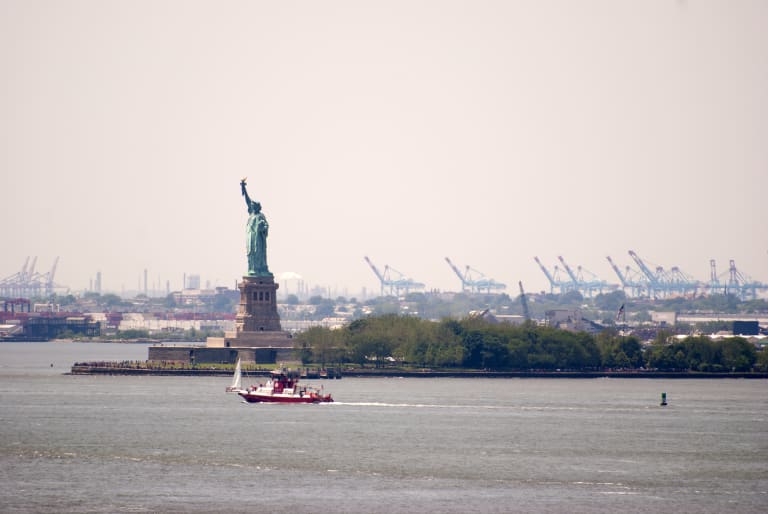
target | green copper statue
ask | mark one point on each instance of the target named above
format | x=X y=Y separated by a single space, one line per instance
x=256 y=231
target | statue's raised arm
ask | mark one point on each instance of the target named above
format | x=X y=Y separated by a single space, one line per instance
x=244 y=192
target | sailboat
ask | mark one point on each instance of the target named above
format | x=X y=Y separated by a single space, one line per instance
x=236 y=379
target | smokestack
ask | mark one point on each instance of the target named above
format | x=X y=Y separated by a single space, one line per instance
x=145 y=281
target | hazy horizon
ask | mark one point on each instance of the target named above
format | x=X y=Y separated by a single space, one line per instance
x=487 y=132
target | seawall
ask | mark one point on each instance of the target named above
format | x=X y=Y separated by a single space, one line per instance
x=86 y=369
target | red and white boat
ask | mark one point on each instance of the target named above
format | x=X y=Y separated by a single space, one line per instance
x=283 y=387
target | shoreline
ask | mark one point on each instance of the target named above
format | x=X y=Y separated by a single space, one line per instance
x=380 y=373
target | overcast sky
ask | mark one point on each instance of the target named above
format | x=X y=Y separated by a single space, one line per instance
x=489 y=132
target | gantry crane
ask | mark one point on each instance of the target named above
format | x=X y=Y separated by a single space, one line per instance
x=474 y=280
x=392 y=281
x=579 y=283
x=28 y=283
x=653 y=281
x=714 y=281
x=742 y=285
x=665 y=282
x=630 y=279
x=554 y=279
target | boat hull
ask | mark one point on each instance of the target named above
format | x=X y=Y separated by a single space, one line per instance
x=252 y=397
x=282 y=387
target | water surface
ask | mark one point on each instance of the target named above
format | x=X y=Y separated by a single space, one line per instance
x=388 y=445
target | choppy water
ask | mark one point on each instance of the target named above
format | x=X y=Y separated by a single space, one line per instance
x=180 y=444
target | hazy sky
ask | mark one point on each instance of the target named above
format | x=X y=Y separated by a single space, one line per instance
x=485 y=131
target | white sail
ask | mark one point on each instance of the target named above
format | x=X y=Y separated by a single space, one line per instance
x=236 y=378
x=238 y=375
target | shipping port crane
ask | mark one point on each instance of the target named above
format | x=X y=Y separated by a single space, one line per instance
x=714 y=281
x=576 y=280
x=584 y=286
x=666 y=282
x=630 y=279
x=392 y=281
x=653 y=281
x=733 y=282
x=554 y=278
x=474 y=280
x=28 y=283
x=47 y=279
x=742 y=285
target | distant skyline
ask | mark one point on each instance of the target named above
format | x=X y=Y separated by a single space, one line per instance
x=407 y=132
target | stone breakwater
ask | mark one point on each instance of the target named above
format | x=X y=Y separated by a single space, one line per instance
x=147 y=368
x=151 y=368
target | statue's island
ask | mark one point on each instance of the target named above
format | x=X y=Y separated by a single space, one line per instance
x=258 y=336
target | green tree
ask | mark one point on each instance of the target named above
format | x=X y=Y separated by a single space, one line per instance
x=132 y=333
x=761 y=362
x=738 y=354
x=320 y=345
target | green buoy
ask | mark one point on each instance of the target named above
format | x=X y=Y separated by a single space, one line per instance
x=663 y=399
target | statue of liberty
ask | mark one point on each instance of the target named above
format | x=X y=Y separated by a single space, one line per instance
x=256 y=231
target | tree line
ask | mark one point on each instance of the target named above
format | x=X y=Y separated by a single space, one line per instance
x=474 y=343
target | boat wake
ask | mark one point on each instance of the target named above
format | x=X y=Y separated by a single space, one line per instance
x=517 y=408
x=401 y=405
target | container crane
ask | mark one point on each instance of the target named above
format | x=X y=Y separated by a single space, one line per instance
x=672 y=281
x=48 y=278
x=586 y=287
x=714 y=281
x=591 y=283
x=393 y=281
x=733 y=282
x=741 y=284
x=475 y=280
x=679 y=281
x=630 y=279
x=569 y=271
x=653 y=281
x=622 y=278
x=554 y=281
x=458 y=274
x=400 y=283
x=378 y=274
x=29 y=283
x=12 y=286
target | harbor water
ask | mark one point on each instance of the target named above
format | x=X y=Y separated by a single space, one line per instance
x=387 y=445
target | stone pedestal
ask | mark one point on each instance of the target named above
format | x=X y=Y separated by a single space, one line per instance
x=258 y=336
x=258 y=305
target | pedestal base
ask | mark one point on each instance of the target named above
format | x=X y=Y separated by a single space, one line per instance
x=258 y=305
x=259 y=336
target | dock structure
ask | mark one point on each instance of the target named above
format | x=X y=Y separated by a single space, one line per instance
x=23 y=325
